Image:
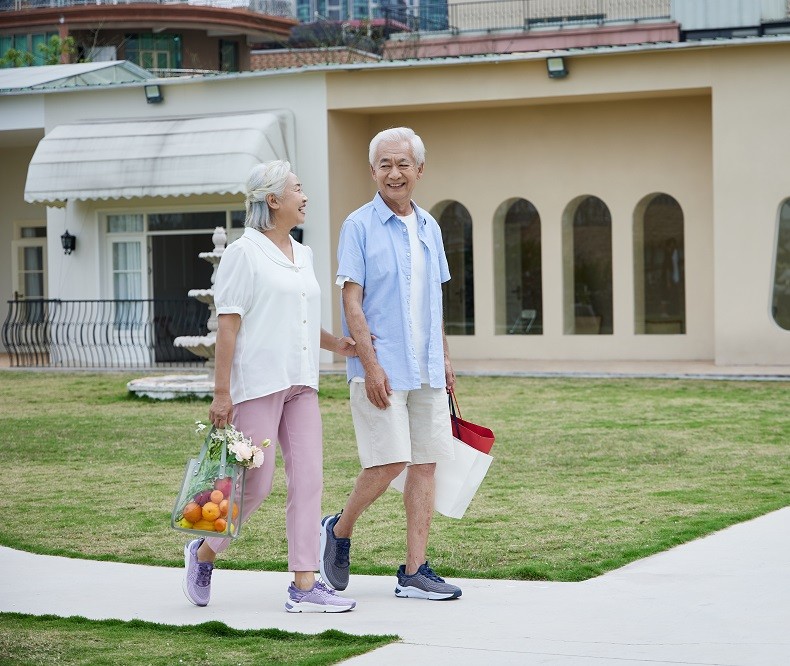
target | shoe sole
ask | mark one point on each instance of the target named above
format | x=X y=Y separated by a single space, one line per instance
x=417 y=593
x=322 y=547
x=184 y=581
x=307 y=607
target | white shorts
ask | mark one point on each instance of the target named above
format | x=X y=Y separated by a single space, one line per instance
x=415 y=428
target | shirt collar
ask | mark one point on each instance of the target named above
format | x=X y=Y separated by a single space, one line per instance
x=273 y=252
x=385 y=212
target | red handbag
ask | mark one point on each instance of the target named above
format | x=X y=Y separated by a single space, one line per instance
x=477 y=436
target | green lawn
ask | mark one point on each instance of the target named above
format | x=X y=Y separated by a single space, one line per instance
x=589 y=474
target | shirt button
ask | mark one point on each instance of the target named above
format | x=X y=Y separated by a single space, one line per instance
x=408 y=254
x=304 y=321
x=304 y=348
x=408 y=277
x=302 y=293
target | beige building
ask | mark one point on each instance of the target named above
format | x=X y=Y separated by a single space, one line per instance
x=634 y=209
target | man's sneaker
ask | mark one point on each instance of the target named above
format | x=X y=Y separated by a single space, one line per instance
x=425 y=584
x=197 y=575
x=320 y=599
x=334 y=561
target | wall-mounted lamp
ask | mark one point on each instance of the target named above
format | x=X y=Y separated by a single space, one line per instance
x=69 y=242
x=556 y=68
x=153 y=94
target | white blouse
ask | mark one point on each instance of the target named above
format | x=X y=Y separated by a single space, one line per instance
x=279 y=302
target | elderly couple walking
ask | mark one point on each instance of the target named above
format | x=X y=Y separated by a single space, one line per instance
x=391 y=265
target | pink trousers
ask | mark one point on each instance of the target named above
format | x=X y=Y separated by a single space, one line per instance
x=292 y=419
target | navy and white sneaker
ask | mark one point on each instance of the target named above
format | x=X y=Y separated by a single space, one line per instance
x=424 y=584
x=334 y=561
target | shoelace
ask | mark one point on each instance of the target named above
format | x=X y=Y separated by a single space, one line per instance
x=203 y=578
x=426 y=571
x=341 y=555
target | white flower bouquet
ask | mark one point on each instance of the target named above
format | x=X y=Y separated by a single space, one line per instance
x=212 y=492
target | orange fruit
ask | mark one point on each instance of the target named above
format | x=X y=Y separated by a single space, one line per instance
x=193 y=512
x=205 y=525
x=217 y=496
x=210 y=511
x=223 y=508
x=235 y=511
x=220 y=524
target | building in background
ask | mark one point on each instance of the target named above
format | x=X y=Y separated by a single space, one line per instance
x=166 y=38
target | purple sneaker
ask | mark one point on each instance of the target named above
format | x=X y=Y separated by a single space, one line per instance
x=320 y=599
x=197 y=575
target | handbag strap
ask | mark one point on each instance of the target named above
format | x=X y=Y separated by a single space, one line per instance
x=223 y=458
x=204 y=449
x=455 y=410
x=455 y=414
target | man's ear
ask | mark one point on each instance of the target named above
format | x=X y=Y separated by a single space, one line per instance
x=419 y=170
x=372 y=172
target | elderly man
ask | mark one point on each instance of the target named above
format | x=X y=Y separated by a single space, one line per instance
x=391 y=265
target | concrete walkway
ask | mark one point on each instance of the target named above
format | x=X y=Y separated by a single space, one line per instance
x=722 y=600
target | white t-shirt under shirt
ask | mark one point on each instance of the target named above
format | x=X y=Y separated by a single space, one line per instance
x=279 y=301
x=418 y=302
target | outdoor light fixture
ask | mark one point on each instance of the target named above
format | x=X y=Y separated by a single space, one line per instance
x=556 y=68
x=69 y=242
x=153 y=94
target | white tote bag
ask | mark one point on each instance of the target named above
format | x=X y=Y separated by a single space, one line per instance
x=457 y=480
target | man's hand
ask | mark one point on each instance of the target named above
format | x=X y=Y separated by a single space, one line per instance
x=377 y=386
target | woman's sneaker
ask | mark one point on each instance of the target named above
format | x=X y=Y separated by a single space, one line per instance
x=424 y=584
x=197 y=575
x=319 y=599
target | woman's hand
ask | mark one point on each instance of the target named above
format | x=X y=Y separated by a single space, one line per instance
x=221 y=410
x=346 y=346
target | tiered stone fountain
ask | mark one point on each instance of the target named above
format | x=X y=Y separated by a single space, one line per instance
x=174 y=386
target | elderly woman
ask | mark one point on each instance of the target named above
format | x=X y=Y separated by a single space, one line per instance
x=266 y=378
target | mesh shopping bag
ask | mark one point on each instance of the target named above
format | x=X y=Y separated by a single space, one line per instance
x=212 y=492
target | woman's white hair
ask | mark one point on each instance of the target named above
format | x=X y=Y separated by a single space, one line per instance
x=265 y=179
x=398 y=134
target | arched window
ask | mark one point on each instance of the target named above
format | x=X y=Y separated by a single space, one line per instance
x=519 y=286
x=587 y=267
x=458 y=293
x=780 y=301
x=659 y=266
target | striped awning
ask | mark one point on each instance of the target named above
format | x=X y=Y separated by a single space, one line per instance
x=153 y=158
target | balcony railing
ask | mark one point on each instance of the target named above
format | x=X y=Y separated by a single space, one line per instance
x=269 y=7
x=526 y=14
x=102 y=333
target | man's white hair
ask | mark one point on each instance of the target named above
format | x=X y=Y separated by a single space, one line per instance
x=401 y=134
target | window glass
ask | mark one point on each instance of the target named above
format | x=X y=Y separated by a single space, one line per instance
x=162 y=51
x=124 y=224
x=228 y=56
x=780 y=306
x=659 y=267
x=517 y=264
x=237 y=218
x=33 y=232
x=587 y=250
x=458 y=293
x=181 y=221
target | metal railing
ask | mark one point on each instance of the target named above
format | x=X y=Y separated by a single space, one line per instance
x=269 y=7
x=525 y=14
x=102 y=333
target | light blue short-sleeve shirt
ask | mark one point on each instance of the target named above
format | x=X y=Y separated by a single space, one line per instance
x=374 y=252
